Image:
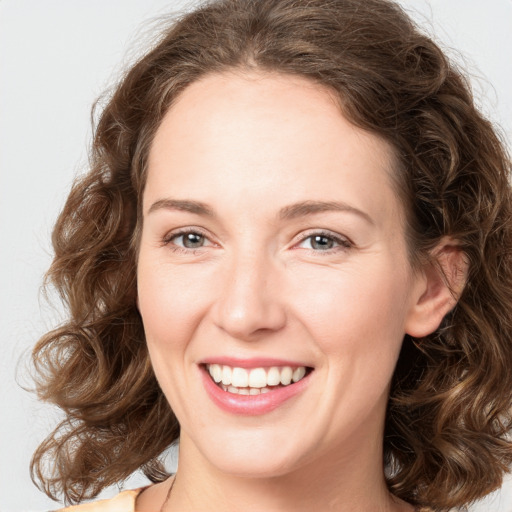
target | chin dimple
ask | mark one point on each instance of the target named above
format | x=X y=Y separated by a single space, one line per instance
x=254 y=381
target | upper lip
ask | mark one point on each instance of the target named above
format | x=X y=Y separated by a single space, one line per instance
x=253 y=362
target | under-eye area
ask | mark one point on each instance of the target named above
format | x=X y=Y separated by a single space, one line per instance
x=255 y=381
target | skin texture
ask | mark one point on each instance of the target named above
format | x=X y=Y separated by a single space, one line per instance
x=249 y=146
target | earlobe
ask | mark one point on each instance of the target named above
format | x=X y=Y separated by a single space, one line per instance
x=439 y=287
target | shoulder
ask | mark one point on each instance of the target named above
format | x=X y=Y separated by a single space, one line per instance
x=123 y=502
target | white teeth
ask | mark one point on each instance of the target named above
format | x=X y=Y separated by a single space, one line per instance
x=286 y=375
x=298 y=373
x=273 y=376
x=244 y=381
x=216 y=372
x=226 y=375
x=245 y=391
x=239 y=377
x=258 y=378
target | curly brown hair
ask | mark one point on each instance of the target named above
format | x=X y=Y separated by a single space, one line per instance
x=448 y=417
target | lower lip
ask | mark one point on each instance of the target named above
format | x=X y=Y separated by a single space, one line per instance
x=251 y=405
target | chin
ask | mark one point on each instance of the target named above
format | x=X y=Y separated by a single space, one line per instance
x=259 y=457
x=256 y=467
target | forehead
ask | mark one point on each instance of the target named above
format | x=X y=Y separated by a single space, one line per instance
x=270 y=136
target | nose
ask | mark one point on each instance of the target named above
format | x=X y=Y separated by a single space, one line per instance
x=249 y=301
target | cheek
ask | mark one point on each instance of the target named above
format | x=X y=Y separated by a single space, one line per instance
x=358 y=313
x=170 y=303
x=170 y=300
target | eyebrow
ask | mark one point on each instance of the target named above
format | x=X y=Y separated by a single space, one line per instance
x=182 y=205
x=306 y=208
x=293 y=211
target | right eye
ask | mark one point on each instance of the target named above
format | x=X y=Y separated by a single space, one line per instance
x=189 y=240
x=185 y=240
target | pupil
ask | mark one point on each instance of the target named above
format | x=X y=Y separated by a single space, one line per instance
x=321 y=242
x=192 y=240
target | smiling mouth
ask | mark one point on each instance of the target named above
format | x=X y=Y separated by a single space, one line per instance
x=255 y=381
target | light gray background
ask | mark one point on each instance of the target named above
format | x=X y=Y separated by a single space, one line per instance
x=56 y=57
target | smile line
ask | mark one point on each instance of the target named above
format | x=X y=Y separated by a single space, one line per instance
x=254 y=381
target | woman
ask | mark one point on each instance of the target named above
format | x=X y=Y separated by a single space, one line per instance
x=292 y=252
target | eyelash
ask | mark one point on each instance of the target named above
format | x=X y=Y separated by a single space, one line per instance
x=342 y=242
x=168 y=240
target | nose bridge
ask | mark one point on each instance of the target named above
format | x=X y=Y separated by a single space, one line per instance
x=249 y=302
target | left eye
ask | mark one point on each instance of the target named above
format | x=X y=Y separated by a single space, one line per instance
x=322 y=242
x=190 y=240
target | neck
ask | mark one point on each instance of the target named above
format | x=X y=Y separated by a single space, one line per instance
x=338 y=483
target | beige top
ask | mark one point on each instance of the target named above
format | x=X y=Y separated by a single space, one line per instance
x=123 y=502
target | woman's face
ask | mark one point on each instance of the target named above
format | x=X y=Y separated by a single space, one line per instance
x=272 y=248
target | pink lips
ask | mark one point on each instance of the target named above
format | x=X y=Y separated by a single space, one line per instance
x=259 y=362
x=251 y=405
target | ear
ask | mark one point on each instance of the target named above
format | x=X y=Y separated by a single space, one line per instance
x=437 y=288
